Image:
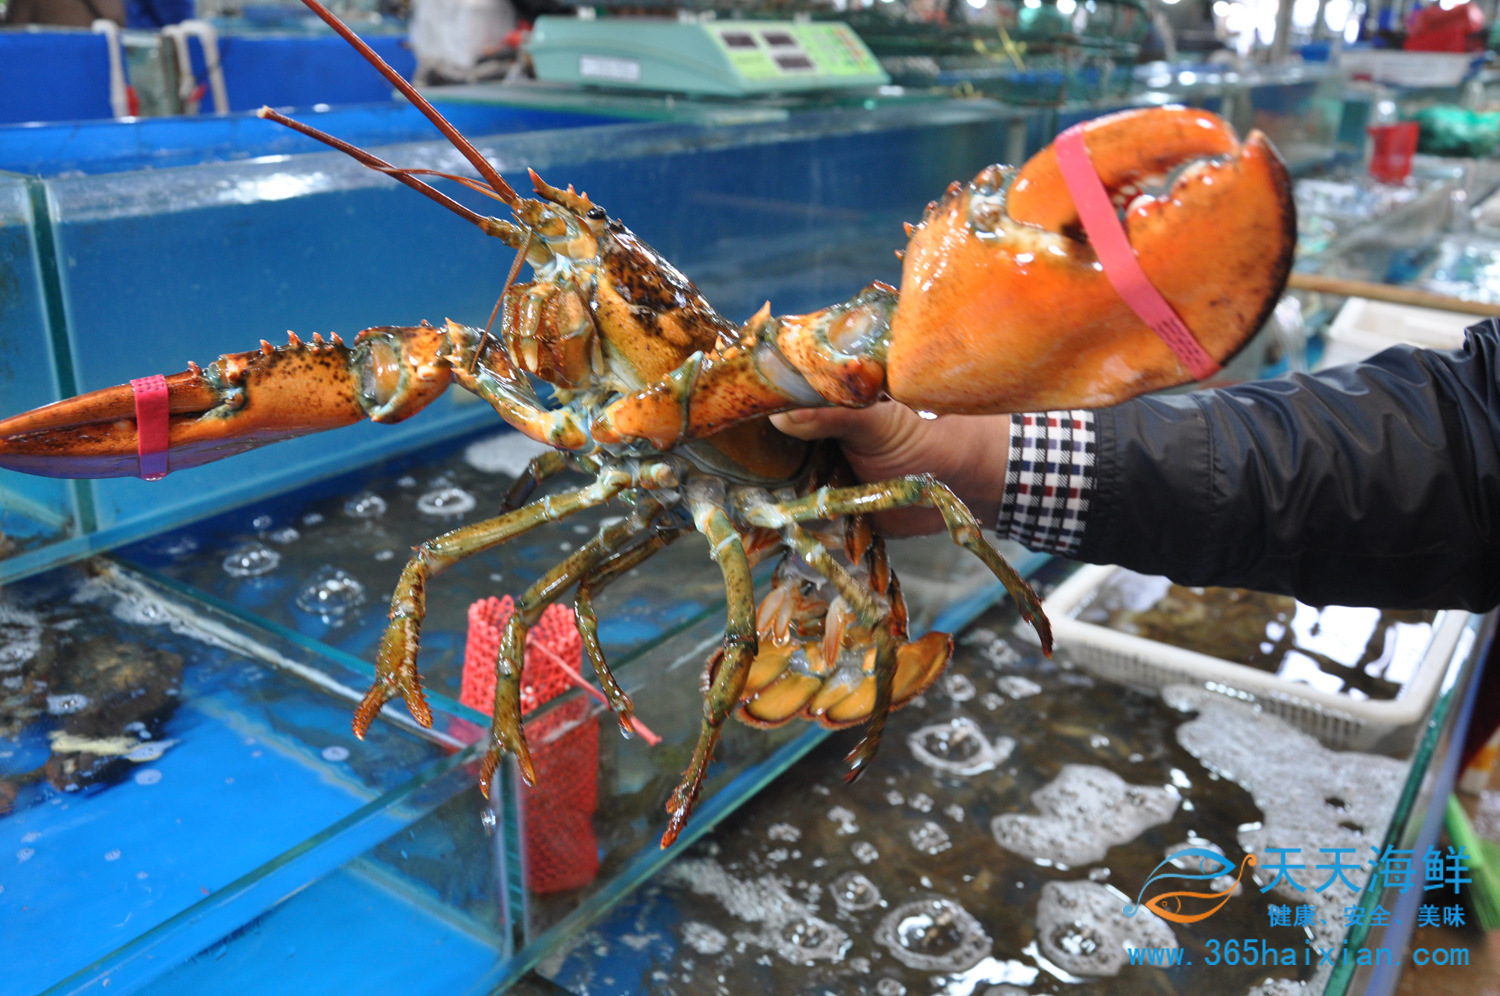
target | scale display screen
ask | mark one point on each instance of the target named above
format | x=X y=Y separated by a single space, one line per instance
x=708 y=57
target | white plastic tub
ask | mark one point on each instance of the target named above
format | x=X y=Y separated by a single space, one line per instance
x=1386 y=726
x=1363 y=328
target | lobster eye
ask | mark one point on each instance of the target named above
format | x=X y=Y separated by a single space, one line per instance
x=380 y=373
x=598 y=213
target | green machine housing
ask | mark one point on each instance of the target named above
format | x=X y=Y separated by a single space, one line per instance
x=720 y=58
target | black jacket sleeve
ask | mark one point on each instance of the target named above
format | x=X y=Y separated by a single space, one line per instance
x=1376 y=483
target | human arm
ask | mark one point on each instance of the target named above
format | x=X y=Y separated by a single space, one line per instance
x=1376 y=483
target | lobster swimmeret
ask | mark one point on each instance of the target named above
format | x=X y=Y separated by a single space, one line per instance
x=1004 y=306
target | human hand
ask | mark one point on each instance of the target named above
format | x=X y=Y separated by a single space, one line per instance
x=966 y=452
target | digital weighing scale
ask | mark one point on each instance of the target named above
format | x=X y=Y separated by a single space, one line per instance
x=698 y=56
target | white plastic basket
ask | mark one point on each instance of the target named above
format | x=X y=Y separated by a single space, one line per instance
x=1413 y=69
x=1363 y=328
x=1342 y=723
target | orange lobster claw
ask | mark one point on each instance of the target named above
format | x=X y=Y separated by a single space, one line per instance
x=239 y=402
x=1004 y=306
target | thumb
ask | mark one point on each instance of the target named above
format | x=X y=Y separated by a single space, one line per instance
x=860 y=430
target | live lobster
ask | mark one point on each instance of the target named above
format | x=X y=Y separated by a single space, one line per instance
x=1004 y=306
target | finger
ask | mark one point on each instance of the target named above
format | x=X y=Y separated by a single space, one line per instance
x=860 y=430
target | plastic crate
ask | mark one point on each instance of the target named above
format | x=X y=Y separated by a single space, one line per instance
x=1340 y=722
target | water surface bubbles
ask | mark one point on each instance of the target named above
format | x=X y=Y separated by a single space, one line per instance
x=934 y=935
x=175 y=545
x=921 y=802
x=1081 y=927
x=889 y=987
x=335 y=753
x=113 y=855
x=702 y=938
x=384 y=555
x=251 y=561
x=784 y=832
x=285 y=535
x=312 y=518
x=67 y=704
x=20 y=637
x=365 y=505
x=331 y=594
x=958 y=747
x=853 y=892
x=446 y=502
x=261 y=523
x=929 y=838
x=148 y=777
x=1017 y=687
x=845 y=820
x=804 y=941
x=958 y=687
x=864 y=852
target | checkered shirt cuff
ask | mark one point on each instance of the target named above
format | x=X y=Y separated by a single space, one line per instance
x=1049 y=480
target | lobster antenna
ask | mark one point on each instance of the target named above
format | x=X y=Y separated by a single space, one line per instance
x=380 y=165
x=463 y=145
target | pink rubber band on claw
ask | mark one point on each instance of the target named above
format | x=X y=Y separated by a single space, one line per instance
x=1121 y=267
x=151 y=412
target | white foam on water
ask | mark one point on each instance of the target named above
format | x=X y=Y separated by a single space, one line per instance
x=251 y=560
x=853 y=892
x=784 y=832
x=1081 y=927
x=1311 y=798
x=365 y=505
x=929 y=838
x=787 y=927
x=1083 y=812
x=447 y=502
x=20 y=636
x=958 y=747
x=1278 y=987
x=934 y=935
x=1017 y=687
x=503 y=453
x=702 y=938
x=331 y=594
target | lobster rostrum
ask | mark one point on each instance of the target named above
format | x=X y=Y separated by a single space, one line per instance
x=663 y=403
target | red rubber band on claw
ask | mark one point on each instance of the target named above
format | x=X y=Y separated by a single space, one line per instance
x=1121 y=267
x=151 y=412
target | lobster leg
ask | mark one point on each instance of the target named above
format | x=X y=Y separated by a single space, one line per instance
x=396 y=665
x=506 y=732
x=588 y=623
x=923 y=489
x=733 y=664
x=541 y=467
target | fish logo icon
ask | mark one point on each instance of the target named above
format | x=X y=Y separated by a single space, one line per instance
x=1171 y=905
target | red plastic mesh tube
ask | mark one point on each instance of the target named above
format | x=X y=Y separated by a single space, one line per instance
x=560 y=848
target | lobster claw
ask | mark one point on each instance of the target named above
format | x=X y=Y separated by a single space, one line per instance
x=1005 y=305
x=239 y=402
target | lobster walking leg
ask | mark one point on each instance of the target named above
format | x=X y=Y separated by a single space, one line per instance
x=733 y=662
x=923 y=489
x=396 y=664
x=506 y=731
x=541 y=467
x=588 y=622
